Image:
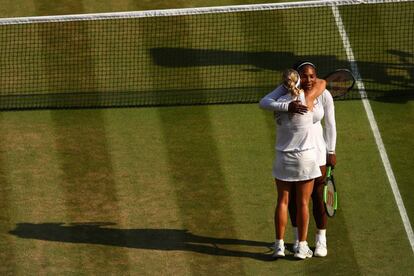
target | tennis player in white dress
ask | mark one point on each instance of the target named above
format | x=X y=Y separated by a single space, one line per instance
x=295 y=163
x=325 y=141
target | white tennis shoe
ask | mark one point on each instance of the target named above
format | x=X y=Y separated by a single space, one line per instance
x=321 y=250
x=303 y=251
x=279 y=250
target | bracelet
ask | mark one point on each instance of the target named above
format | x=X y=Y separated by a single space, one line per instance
x=331 y=152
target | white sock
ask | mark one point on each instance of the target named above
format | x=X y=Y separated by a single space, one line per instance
x=295 y=233
x=279 y=242
x=321 y=235
x=303 y=243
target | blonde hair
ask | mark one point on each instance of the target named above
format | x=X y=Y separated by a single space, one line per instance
x=291 y=80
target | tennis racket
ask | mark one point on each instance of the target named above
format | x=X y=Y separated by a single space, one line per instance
x=330 y=197
x=339 y=82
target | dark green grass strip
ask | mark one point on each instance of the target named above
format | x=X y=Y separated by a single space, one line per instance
x=7 y=252
x=87 y=179
x=86 y=165
x=195 y=172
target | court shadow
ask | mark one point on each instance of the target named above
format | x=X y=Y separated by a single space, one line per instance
x=103 y=233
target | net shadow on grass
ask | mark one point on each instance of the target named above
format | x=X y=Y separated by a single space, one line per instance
x=103 y=233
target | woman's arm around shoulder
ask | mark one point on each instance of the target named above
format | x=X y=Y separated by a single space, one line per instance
x=269 y=102
x=317 y=89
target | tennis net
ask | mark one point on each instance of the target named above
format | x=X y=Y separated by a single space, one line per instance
x=229 y=54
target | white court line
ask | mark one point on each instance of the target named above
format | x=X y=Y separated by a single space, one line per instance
x=374 y=126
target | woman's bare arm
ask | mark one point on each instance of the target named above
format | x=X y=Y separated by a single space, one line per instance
x=316 y=91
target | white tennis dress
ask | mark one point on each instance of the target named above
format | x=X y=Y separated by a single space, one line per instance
x=322 y=140
x=295 y=147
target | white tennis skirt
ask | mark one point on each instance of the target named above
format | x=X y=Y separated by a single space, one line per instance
x=296 y=166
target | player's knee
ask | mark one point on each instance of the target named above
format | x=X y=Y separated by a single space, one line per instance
x=282 y=200
x=302 y=203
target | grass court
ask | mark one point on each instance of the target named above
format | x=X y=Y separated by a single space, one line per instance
x=187 y=190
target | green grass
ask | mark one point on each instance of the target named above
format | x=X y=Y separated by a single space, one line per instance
x=153 y=173
x=18 y=8
x=188 y=190
x=395 y=124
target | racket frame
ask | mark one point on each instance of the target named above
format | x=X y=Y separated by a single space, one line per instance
x=330 y=178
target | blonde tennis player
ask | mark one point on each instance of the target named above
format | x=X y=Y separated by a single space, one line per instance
x=295 y=164
x=325 y=141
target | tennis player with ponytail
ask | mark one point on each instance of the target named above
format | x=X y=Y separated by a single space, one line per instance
x=325 y=140
x=296 y=164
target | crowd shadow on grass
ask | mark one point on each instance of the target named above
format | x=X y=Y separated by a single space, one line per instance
x=103 y=233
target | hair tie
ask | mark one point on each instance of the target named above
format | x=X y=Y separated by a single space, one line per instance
x=298 y=82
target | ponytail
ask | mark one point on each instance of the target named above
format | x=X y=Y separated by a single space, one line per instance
x=291 y=81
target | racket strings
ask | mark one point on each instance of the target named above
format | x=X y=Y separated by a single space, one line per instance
x=340 y=82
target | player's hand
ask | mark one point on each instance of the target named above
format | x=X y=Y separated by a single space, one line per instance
x=331 y=160
x=297 y=107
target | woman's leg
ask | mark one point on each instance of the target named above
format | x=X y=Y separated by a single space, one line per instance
x=283 y=189
x=292 y=215
x=303 y=194
x=319 y=212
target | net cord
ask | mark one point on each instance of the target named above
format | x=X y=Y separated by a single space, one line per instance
x=189 y=11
